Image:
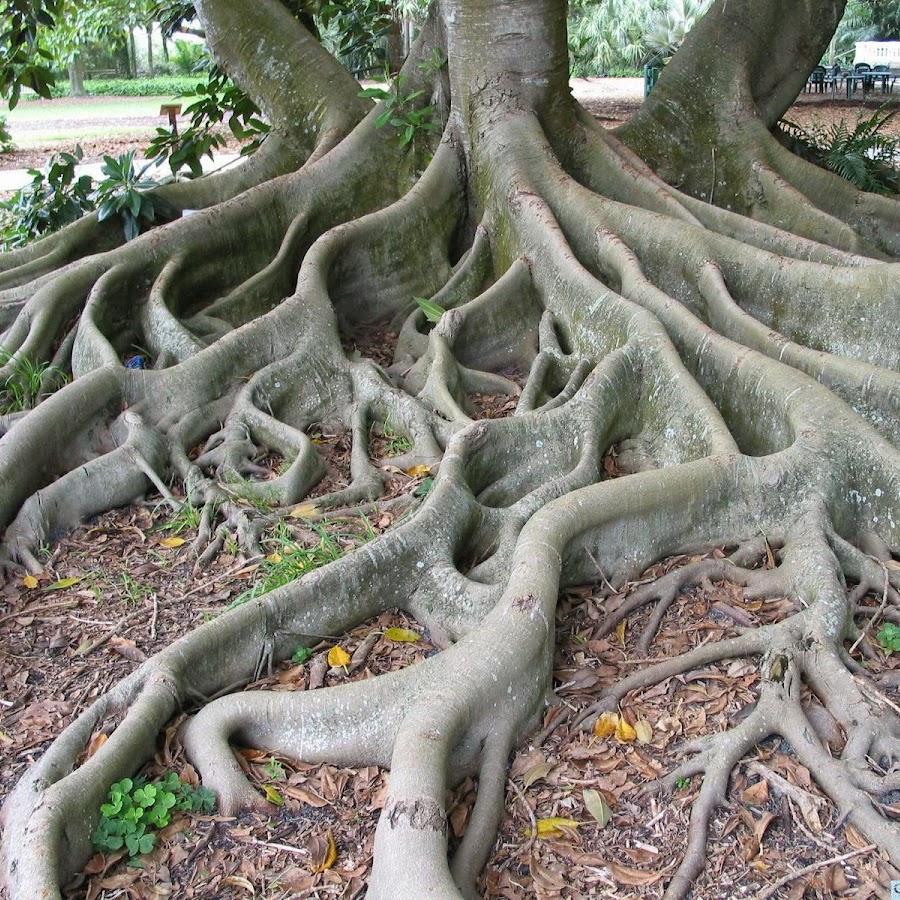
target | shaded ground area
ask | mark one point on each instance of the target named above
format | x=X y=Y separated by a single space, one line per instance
x=121 y=587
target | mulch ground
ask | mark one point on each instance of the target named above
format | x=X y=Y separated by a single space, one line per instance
x=121 y=587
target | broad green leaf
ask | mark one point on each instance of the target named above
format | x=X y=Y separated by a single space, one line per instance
x=433 y=311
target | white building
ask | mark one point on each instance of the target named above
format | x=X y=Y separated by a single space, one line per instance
x=878 y=53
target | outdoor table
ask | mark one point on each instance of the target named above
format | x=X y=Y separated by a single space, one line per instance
x=868 y=79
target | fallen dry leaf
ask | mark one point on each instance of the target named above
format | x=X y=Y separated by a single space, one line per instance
x=402 y=635
x=643 y=730
x=62 y=584
x=338 y=657
x=323 y=851
x=554 y=826
x=624 y=732
x=635 y=877
x=597 y=807
x=606 y=724
x=273 y=795
x=536 y=773
x=304 y=511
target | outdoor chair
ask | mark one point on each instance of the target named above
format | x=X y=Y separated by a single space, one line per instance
x=816 y=80
x=883 y=74
x=835 y=77
x=860 y=76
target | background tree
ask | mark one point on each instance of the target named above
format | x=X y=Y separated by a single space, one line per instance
x=687 y=291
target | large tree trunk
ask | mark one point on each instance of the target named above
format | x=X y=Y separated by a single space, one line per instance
x=76 y=76
x=719 y=311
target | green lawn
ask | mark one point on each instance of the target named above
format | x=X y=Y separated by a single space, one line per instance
x=39 y=121
x=92 y=108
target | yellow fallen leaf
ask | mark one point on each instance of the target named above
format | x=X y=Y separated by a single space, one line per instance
x=620 y=632
x=554 y=827
x=304 y=511
x=172 y=542
x=273 y=795
x=606 y=724
x=624 y=732
x=338 y=656
x=237 y=881
x=644 y=731
x=30 y=582
x=274 y=557
x=62 y=584
x=417 y=471
x=403 y=635
x=324 y=853
x=893 y=565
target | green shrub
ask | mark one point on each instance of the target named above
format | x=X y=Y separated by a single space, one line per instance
x=172 y=85
x=865 y=155
x=889 y=637
x=123 y=192
x=188 y=57
x=6 y=141
x=54 y=198
x=218 y=101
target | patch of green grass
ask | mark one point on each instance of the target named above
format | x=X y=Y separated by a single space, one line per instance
x=253 y=492
x=28 y=381
x=186 y=518
x=131 y=590
x=394 y=444
x=290 y=560
x=89 y=110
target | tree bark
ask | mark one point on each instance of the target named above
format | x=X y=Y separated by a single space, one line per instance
x=76 y=77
